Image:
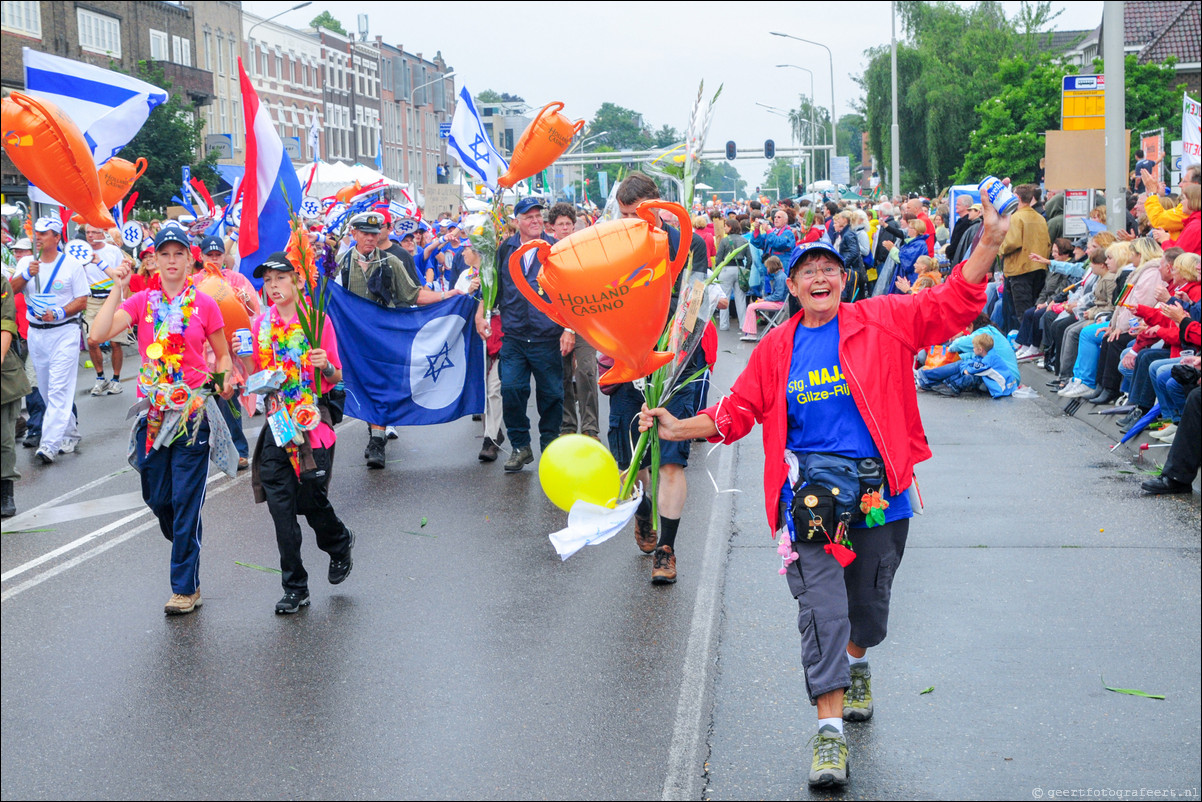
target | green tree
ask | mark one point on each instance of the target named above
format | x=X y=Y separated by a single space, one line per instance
x=625 y=127
x=848 y=137
x=171 y=138
x=724 y=178
x=326 y=20
x=488 y=96
x=946 y=70
x=779 y=177
x=804 y=135
x=666 y=136
x=1009 y=140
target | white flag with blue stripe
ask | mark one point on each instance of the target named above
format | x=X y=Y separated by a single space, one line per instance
x=109 y=107
x=470 y=145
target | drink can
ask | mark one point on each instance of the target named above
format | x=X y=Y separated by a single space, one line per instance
x=245 y=342
x=999 y=194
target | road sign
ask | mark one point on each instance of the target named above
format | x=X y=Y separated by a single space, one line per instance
x=1083 y=102
x=444 y=130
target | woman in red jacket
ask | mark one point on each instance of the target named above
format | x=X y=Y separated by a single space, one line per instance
x=834 y=391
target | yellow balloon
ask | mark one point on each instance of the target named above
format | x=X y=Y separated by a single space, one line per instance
x=578 y=468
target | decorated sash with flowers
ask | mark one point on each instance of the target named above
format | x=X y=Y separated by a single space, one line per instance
x=286 y=349
x=162 y=376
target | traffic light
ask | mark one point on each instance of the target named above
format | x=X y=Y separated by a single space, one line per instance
x=731 y=150
x=769 y=149
x=586 y=182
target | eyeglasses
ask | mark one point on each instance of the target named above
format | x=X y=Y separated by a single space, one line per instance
x=830 y=271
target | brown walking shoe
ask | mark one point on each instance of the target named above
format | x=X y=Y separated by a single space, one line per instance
x=663 y=571
x=645 y=535
x=180 y=604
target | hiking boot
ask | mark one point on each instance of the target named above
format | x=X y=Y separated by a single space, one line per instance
x=488 y=451
x=375 y=452
x=663 y=570
x=292 y=602
x=857 y=702
x=645 y=535
x=520 y=457
x=829 y=766
x=8 y=505
x=341 y=569
x=99 y=388
x=180 y=604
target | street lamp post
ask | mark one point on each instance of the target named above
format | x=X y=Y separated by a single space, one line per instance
x=579 y=146
x=810 y=171
x=273 y=16
x=831 y=56
x=413 y=94
x=894 y=146
x=792 y=137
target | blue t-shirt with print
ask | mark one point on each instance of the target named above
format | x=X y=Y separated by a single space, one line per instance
x=822 y=415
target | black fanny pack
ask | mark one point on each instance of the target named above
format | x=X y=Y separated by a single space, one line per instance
x=829 y=491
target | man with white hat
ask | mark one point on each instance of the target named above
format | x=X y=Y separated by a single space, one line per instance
x=56 y=293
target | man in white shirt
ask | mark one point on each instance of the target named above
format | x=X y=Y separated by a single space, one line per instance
x=56 y=293
x=106 y=258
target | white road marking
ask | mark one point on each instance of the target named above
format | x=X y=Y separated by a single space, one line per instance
x=80 y=509
x=685 y=759
x=20 y=522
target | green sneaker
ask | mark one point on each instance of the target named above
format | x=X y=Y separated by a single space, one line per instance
x=857 y=702
x=829 y=766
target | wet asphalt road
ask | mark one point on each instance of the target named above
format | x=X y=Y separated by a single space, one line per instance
x=462 y=659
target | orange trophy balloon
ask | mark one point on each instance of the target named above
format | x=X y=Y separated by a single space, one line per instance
x=117 y=177
x=612 y=283
x=543 y=141
x=233 y=311
x=49 y=150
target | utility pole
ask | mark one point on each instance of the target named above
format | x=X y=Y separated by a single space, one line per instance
x=1116 y=114
x=894 y=147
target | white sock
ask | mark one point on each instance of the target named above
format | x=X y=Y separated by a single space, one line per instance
x=853 y=660
x=837 y=723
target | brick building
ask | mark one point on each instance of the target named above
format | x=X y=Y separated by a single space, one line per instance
x=218 y=30
x=416 y=100
x=105 y=33
x=286 y=67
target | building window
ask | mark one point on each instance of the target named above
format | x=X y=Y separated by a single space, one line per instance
x=158 y=45
x=221 y=54
x=22 y=17
x=225 y=111
x=99 y=33
x=208 y=50
x=181 y=49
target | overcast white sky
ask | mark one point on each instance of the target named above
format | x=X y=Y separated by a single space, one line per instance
x=587 y=53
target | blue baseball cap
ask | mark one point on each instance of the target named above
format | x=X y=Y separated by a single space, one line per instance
x=809 y=249
x=526 y=204
x=171 y=234
x=210 y=244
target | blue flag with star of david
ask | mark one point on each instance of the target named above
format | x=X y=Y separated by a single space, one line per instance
x=469 y=143
x=411 y=366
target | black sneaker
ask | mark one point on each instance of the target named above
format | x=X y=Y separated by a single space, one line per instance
x=375 y=452
x=1130 y=419
x=518 y=459
x=292 y=602
x=1160 y=485
x=341 y=569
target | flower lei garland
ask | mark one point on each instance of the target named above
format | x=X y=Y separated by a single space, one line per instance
x=284 y=348
x=162 y=375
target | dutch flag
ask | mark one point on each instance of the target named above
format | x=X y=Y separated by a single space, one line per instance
x=270 y=186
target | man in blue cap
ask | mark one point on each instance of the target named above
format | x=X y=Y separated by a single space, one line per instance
x=532 y=344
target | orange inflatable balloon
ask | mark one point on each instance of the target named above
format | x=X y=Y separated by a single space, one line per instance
x=232 y=311
x=117 y=177
x=346 y=193
x=612 y=283
x=543 y=141
x=49 y=150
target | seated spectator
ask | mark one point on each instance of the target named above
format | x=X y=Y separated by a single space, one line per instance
x=1060 y=276
x=1087 y=340
x=989 y=368
x=773 y=301
x=1063 y=348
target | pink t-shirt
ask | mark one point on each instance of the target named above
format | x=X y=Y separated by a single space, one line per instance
x=323 y=436
x=206 y=319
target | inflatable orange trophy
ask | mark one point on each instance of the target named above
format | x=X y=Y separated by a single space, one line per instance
x=117 y=177
x=612 y=284
x=233 y=311
x=543 y=141
x=49 y=150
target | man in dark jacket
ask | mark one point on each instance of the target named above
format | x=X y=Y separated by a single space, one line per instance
x=963 y=204
x=532 y=345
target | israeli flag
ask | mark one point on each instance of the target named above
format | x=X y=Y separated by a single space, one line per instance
x=410 y=366
x=109 y=107
x=470 y=145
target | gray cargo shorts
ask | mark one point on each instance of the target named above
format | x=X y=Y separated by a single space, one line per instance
x=837 y=604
